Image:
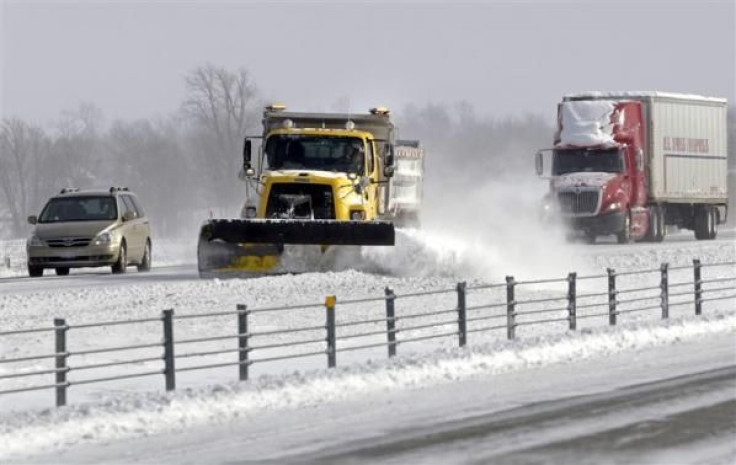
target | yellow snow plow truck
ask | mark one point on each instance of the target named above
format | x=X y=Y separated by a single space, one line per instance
x=319 y=180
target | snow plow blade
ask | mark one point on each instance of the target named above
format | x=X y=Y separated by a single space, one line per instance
x=255 y=246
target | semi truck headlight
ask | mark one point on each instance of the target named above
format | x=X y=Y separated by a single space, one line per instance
x=614 y=206
x=103 y=239
x=35 y=241
x=357 y=215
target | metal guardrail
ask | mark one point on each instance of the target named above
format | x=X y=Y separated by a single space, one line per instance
x=399 y=329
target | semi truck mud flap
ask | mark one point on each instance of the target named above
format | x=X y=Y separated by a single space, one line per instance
x=256 y=247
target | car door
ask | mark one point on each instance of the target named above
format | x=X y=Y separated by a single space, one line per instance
x=132 y=230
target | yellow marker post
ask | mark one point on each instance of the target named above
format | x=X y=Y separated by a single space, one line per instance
x=330 y=301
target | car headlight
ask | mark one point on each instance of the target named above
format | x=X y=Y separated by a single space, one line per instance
x=357 y=215
x=103 y=239
x=35 y=241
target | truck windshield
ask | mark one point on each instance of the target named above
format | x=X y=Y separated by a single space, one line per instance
x=98 y=208
x=327 y=153
x=582 y=160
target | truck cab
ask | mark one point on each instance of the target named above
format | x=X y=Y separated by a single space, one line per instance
x=597 y=170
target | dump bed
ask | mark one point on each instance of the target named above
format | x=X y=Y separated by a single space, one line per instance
x=686 y=144
x=407 y=182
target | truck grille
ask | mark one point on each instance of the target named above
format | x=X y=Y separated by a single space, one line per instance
x=301 y=201
x=580 y=202
x=69 y=242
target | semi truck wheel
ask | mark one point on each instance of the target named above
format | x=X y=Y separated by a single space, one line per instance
x=624 y=236
x=658 y=226
x=701 y=222
x=662 y=225
x=712 y=222
x=653 y=224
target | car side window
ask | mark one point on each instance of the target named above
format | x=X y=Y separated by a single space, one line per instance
x=128 y=206
x=137 y=205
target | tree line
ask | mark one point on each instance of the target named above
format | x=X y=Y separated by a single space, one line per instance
x=185 y=166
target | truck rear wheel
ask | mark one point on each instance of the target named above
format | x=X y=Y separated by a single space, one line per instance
x=657 y=227
x=713 y=228
x=703 y=222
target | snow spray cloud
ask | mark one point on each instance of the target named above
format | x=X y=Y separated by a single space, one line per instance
x=487 y=229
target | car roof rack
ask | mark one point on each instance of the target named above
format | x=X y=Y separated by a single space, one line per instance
x=68 y=190
x=116 y=189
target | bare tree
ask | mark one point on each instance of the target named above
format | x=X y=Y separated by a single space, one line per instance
x=223 y=105
x=76 y=150
x=22 y=152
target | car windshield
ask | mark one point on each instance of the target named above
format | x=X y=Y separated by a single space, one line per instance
x=97 y=208
x=327 y=153
x=582 y=160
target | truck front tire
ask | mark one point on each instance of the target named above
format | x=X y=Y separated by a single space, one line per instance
x=624 y=236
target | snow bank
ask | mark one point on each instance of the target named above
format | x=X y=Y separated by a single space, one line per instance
x=135 y=415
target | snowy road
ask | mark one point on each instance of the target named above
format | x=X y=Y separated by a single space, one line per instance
x=370 y=404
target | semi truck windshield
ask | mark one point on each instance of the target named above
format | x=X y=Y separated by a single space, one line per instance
x=339 y=154
x=582 y=160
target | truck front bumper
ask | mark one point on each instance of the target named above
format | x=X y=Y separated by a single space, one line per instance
x=601 y=225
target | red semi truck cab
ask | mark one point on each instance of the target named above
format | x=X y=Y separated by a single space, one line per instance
x=614 y=169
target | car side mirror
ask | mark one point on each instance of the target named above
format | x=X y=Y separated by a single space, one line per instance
x=128 y=216
x=247 y=148
x=33 y=219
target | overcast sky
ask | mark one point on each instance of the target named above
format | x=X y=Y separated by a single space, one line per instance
x=129 y=57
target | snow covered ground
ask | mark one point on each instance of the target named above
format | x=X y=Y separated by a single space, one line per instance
x=420 y=262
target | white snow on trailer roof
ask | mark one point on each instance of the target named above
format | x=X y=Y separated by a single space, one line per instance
x=641 y=94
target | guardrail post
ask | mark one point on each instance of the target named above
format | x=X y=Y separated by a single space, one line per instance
x=510 y=308
x=61 y=358
x=169 y=367
x=331 y=336
x=572 y=300
x=242 y=342
x=461 y=314
x=391 y=321
x=665 y=292
x=698 y=286
x=611 y=296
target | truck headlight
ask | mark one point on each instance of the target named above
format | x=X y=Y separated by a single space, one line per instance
x=250 y=212
x=103 y=239
x=357 y=215
x=614 y=207
x=35 y=241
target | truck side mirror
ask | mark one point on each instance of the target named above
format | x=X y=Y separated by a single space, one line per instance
x=543 y=163
x=539 y=163
x=33 y=219
x=389 y=150
x=246 y=154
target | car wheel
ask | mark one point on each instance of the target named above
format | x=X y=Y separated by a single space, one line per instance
x=62 y=271
x=122 y=263
x=624 y=236
x=145 y=264
x=35 y=271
